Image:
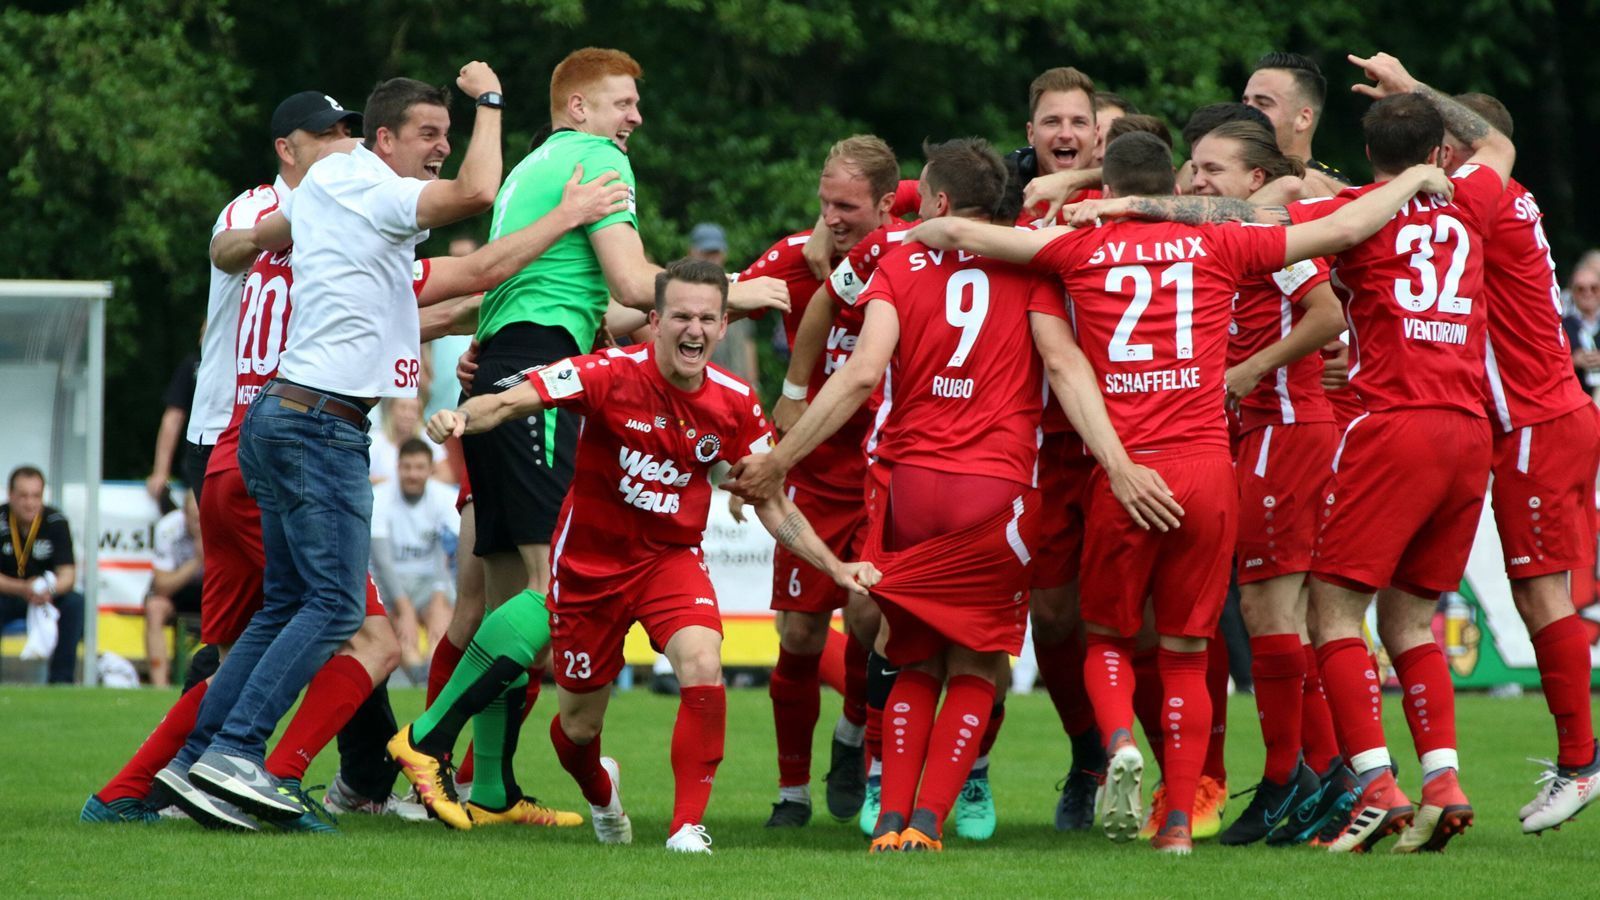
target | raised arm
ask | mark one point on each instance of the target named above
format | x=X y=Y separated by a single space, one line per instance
x=1490 y=148
x=993 y=241
x=1357 y=220
x=233 y=250
x=472 y=190
x=491 y=264
x=1140 y=490
x=784 y=521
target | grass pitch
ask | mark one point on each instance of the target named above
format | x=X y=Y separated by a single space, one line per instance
x=61 y=744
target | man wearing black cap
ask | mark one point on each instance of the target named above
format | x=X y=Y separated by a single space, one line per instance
x=302 y=126
x=355 y=221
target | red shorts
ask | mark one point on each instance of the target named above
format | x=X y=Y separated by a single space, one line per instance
x=1064 y=468
x=1544 y=483
x=464 y=491
x=1403 y=504
x=590 y=619
x=1283 y=475
x=1184 y=572
x=230 y=523
x=967 y=587
x=798 y=585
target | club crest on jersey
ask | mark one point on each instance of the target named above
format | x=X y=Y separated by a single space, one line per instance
x=707 y=447
x=661 y=421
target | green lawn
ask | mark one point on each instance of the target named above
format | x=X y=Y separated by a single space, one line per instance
x=63 y=743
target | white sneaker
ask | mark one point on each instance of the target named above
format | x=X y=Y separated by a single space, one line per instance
x=690 y=839
x=1545 y=780
x=342 y=800
x=463 y=791
x=1120 y=813
x=611 y=823
x=1565 y=793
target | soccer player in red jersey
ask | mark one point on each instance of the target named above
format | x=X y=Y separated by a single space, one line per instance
x=1546 y=442
x=659 y=421
x=1413 y=298
x=952 y=507
x=1151 y=303
x=1283 y=461
x=855 y=190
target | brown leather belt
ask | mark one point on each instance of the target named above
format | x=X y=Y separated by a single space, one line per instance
x=294 y=395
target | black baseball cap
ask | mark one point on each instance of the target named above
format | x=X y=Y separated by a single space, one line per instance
x=314 y=111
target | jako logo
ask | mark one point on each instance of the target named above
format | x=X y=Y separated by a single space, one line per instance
x=637 y=425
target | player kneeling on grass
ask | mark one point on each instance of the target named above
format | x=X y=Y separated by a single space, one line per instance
x=658 y=422
x=952 y=499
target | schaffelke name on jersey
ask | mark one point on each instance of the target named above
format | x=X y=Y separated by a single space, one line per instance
x=1148 y=382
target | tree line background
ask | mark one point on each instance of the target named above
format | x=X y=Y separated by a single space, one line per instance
x=130 y=123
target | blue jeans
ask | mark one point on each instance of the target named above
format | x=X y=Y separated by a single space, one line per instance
x=64 y=661
x=308 y=472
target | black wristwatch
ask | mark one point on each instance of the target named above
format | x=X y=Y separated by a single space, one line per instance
x=492 y=99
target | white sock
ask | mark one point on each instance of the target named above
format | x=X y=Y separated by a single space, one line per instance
x=800 y=793
x=980 y=766
x=848 y=734
x=876 y=769
x=1437 y=762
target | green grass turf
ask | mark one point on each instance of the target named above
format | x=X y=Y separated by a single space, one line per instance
x=61 y=744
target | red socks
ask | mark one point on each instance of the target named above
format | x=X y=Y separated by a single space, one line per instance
x=1061 y=670
x=697 y=740
x=855 y=682
x=832 y=669
x=1562 y=651
x=1430 y=697
x=442 y=666
x=139 y=774
x=1278 y=668
x=908 y=721
x=1318 y=741
x=1355 y=698
x=1147 y=700
x=951 y=750
x=1187 y=709
x=796 y=703
x=1108 y=677
x=331 y=698
x=582 y=762
x=1217 y=688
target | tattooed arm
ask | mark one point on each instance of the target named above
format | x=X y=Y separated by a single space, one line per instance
x=1490 y=148
x=789 y=527
x=1187 y=210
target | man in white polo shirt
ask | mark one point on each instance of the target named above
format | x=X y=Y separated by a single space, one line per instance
x=356 y=219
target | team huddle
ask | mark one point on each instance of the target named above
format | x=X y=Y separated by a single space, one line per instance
x=1066 y=387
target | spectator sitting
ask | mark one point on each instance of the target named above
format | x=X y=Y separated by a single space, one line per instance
x=400 y=420
x=1583 y=326
x=175 y=584
x=411 y=515
x=37 y=567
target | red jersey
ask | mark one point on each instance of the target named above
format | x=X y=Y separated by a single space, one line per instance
x=1413 y=297
x=264 y=308
x=964 y=387
x=1264 y=312
x=1528 y=358
x=1034 y=218
x=1151 y=305
x=643 y=473
x=837 y=467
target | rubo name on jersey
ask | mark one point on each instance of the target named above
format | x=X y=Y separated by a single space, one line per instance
x=645 y=468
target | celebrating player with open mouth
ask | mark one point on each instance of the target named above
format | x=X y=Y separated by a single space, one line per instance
x=658 y=422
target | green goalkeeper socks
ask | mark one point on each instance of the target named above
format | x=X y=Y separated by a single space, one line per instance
x=500 y=653
x=494 y=742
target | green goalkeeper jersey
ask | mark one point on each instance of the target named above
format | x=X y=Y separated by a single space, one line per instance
x=563 y=288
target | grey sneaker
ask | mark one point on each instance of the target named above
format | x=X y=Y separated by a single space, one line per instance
x=341 y=799
x=202 y=807
x=246 y=784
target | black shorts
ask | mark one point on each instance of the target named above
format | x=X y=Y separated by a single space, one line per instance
x=521 y=470
x=195 y=459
